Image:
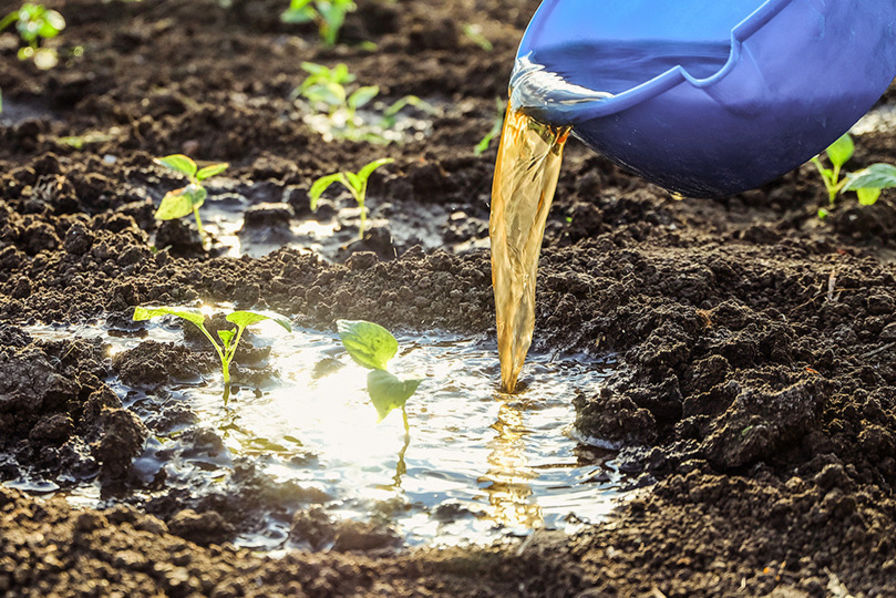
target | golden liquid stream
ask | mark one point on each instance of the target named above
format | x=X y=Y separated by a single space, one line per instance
x=526 y=174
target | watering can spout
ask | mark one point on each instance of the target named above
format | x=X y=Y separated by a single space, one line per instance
x=704 y=97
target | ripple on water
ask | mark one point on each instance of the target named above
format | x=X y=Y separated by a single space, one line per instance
x=479 y=464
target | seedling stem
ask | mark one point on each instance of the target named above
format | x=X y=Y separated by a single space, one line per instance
x=230 y=339
x=355 y=182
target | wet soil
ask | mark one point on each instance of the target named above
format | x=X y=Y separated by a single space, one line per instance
x=755 y=405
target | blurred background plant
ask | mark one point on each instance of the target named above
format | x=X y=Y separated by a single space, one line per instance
x=329 y=15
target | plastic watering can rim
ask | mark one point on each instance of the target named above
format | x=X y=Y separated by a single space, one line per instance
x=589 y=109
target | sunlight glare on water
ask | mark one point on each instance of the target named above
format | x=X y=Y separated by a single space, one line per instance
x=494 y=463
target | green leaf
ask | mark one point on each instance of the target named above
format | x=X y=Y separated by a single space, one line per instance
x=176 y=204
x=299 y=11
x=333 y=14
x=368 y=169
x=387 y=392
x=51 y=24
x=179 y=163
x=197 y=194
x=334 y=93
x=823 y=213
x=179 y=203
x=297 y=16
x=486 y=141
x=841 y=150
x=876 y=176
x=320 y=185
x=868 y=197
x=414 y=101
x=211 y=170
x=226 y=337
x=362 y=96
x=314 y=68
x=474 y=33
x=147 y=313
x=247 y=318
x=331 y=94
x=341 y=74
x=354 y=181
x=369 y=344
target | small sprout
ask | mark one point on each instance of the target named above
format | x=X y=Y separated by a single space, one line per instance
x=372 y=346
x=181 y=202
x=329 y=15
x=474 y=34
x=326 y=90
x=867 y=183
x=390 y=115
x=356 y=183
x=229 y=338
x=497 y=126
x=35 y=23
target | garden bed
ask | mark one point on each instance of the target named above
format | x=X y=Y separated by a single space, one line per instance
x=750 y=401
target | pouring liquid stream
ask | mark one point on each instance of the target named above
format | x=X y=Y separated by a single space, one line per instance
x=553 y=84
x=526 y=174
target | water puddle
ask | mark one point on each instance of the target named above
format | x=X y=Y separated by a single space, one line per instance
x=372 y=125
x=479 y=465
x=228 y=217
x=15 y=112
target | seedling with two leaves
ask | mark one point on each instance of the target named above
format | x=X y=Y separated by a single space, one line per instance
x=372 y=346
x=867 y=183
x=181 y=202
x=329 y=15
x=326 y=90
x=355 y=182
x=229 y=339
x=35 y=23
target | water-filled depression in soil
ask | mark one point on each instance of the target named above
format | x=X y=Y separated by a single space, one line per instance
x=480 y=464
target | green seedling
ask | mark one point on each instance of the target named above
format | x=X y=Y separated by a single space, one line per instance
x=230 y=339
x=181 y=202
x=355 y=182
x=867 y=183
x=474 y=34
x=497 y=127
x=34 y=24
x=372 y=346
x=327 y=91
x=329 y=15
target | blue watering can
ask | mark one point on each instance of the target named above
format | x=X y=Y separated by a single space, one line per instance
x=706 y=97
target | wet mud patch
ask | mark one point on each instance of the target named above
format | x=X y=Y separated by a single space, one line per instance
x=753 y=403
x=295 y=457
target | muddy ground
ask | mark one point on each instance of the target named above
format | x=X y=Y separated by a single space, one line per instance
x=755 y=405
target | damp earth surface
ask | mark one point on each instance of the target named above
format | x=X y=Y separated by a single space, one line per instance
x=711 y=390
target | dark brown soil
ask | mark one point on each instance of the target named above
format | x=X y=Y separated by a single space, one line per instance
x=755 y=405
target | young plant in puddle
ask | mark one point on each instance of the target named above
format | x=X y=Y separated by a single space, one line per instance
x=326 y=90
x=181 y=202
x=329 y=15
x=867 y=183
x=355 y=182
x=230 y=339
x=34 y=24
x=372 y=346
